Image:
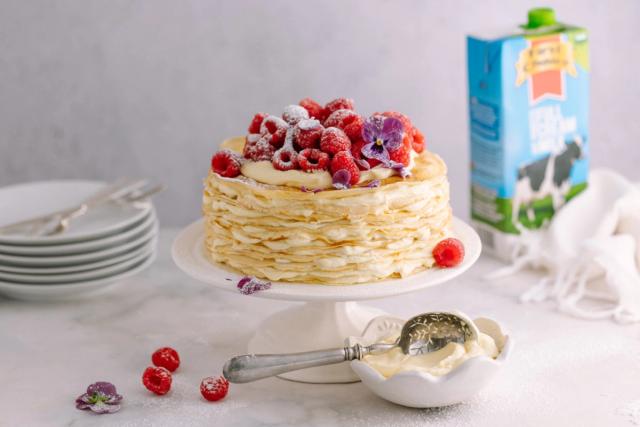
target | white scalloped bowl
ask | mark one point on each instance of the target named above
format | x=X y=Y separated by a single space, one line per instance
x=422 y=390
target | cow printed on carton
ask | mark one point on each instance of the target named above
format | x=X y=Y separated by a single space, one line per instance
x=548 y=176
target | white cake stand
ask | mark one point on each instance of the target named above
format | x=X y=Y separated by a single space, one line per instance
x=330 y=313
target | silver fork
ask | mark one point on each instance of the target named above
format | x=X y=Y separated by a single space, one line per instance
x=130 y=198
x=35 y=226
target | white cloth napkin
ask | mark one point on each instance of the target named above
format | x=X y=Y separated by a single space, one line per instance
x=590 y=252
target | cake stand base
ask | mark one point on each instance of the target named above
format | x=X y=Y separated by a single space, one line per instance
x=313 y=326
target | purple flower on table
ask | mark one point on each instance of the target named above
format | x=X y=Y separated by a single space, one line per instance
x=381 y=134
x=101 y=397
x=342 y=179
x=249 y=285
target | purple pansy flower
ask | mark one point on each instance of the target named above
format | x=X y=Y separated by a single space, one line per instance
x=342 y=179
x=101 y=398
x=249 y=284
x=382 y=134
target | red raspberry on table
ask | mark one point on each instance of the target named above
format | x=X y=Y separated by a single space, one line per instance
x=166 y=357
x=285 y=159
x=356 y=152
x=157 y=380
x=418 y=141
x=257 y=120
x=214 y=389
x=294 y=113
x=276 y=129
x=334 y=140
x=344 y=160
x=312 y=159
x=402 y=154
x=347 y=120
x=307 y=133
x=448 y=252
x=226 y=163
x=338 y=104
x=314 y=109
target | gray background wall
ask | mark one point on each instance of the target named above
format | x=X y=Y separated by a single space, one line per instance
x=102 y=89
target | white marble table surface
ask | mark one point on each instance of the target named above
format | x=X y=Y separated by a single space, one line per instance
x=563 y=371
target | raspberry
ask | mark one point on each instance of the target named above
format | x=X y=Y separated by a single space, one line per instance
x=448 y=252
x=334 y=140
x=226 y=163
x=307 y=133
x=249 y=149
x=294 y=113
x=312 y=159
x=214 y=389
x=347 y=120
x=285 y=159
x=356 y=152
x=276 y=129
x=344 y=160
x=402 y=154
x=257 y=120
x=263 y=149
x=338 y=104
x=166 y=357
x=418 y=141
x=157 y=380
x=314 y=109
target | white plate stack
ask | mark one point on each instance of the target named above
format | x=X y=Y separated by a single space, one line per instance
x=108 y=244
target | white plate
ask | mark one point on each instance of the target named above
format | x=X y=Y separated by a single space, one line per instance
x=48 y=292
x=39 y=271
x=70 y=260
x=58 y=279
x=188 y=254
x=24 y=201
x=112 y=240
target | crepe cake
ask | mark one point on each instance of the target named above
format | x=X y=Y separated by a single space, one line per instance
x=324 y=195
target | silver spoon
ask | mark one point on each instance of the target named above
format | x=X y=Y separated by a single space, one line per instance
x=421 y=334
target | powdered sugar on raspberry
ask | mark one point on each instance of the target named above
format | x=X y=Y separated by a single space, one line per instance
x=294 y=113
x=309 y=124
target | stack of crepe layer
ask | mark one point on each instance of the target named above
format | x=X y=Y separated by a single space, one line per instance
x=350 y=236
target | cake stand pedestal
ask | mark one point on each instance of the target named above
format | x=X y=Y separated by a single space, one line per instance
x=330 y=314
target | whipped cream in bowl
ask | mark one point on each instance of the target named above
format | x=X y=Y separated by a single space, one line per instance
x=448 y=376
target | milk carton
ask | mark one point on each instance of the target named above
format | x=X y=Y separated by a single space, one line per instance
x=528 y=112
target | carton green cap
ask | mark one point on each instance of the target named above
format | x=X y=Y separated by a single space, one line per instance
x=540 y=17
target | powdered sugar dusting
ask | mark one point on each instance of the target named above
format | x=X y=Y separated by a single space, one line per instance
x=309 y=124
x=294 y=113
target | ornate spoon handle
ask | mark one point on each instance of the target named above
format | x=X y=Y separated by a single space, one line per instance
x=252 y=367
